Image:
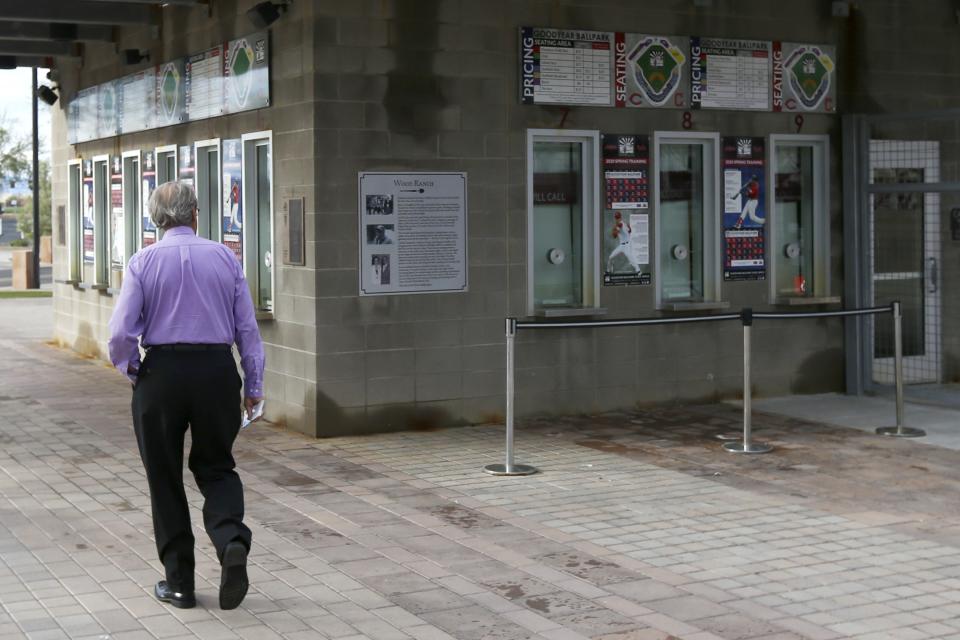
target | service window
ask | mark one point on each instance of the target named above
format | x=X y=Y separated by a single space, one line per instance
x=562 y=216
x=148 y=182
x=132 y=201
x=166 y=159
x=118 y=224
x=687 y=213
x=258 y=215
x=208 y=188
x=74 y=222
x=799 y=234
x=101 y=209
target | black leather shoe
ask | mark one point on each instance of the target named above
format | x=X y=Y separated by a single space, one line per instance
x=165 y=593
x=233 y=580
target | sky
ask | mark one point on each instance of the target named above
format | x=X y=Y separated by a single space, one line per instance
x=15 y=105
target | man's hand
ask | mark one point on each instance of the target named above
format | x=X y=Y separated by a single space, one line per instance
x=249 y=403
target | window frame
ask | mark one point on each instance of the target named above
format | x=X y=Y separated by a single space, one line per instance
x=165 y=149
x=75 y=222
x=820 y=143
x=133 y=236
x=711 y=220
x=101 y=222
x=216 y=230
x=248 y=140
x=589 y=139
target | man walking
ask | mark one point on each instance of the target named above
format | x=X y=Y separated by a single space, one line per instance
x=188 y=301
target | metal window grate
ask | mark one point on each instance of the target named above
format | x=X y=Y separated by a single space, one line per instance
x=905 y=248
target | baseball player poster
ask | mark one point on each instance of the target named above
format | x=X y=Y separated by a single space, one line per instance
x=626 y=216
x=744 y=208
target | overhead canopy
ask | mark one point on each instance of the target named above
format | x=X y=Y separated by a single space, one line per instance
x=33 y=33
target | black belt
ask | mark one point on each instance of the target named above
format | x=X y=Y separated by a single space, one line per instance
x=185 y=346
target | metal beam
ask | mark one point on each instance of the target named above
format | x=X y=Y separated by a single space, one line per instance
x=30 y=61
x=187 y=3
x=37 y=48
x=38 y=31
x=78 y=11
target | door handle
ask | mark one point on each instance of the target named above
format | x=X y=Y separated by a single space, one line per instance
x=933 y=275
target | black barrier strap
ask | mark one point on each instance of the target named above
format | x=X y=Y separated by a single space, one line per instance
x=626 y=323
x=746 y=316
x=824 y=314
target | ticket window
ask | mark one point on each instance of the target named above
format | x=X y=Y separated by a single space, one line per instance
x=562 y=214
x=258 y=215
x=101 y=212
x=687 y=219
x=166 y=159
x=799 y=231
x=166 y=164
x=207 y=158
x=131 y=203
x=74 y=222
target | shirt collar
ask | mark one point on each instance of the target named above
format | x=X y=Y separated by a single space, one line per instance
x=181 y=230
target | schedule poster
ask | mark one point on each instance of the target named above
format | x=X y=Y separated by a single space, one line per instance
x=651 y=71
x=117 y=235
x=744 y=208
x=148 y=178
x=185 y=164
x=204 y=84
x=566 y=66
x=89 y=240
x=626 y=217
x=73 y=121
x=106 y=110
x=246 y=73
x=170 y=96
x=413 y=232
x=729 y=74
x=87 y=118
x=137 y=93
x=232 y=212
x=803 y=77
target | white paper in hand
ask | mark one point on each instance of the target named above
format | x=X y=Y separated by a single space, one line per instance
x=257 y=413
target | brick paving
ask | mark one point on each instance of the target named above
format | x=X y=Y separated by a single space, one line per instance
x=638 y=527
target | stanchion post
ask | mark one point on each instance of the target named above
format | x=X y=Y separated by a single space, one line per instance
x=509 y=468
x=899 y=431
x=747 y=446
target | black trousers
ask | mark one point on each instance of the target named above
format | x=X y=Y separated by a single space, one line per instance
x=199 y=389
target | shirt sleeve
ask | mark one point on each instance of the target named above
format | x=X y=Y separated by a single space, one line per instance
x=126 y=324
x=247 y=337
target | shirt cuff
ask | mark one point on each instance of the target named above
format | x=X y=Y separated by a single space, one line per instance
x=253 y=389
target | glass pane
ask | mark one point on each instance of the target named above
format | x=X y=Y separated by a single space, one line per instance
x=167 y=167
x=212 y=198
x=102 y=234
x=899 y=272
x=909 y=291
x=681 y=221
x=795 y=203
x=264 y=230
x=76 y=235
x=131 y=203
x=557 y=224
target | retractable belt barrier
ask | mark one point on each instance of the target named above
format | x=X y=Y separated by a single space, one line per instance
x=746 y=317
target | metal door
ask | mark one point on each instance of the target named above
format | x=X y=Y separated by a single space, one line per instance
x=905 y=257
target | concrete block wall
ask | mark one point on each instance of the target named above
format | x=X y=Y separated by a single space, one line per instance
x=432 y=85
x=82 y=314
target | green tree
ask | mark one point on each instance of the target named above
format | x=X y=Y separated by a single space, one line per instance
x=14 y=153
x=25 y=214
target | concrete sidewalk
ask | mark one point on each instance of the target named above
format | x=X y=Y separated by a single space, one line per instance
x=637 y=528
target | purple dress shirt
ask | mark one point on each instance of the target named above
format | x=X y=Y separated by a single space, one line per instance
x=186 y=289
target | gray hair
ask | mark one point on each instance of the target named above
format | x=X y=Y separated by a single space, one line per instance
x=172 y=205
